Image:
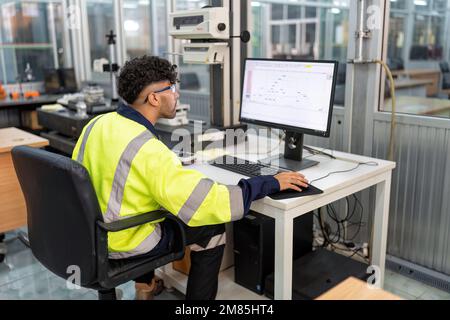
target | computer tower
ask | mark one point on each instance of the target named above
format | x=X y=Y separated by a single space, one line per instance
x=254 y=244
x=318 y=272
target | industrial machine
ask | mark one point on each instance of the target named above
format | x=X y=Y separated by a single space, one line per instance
x=181 y=117
x=65 y=126
x=207 y=23
x=211 y=42
x=112 y=67
x=208 y=40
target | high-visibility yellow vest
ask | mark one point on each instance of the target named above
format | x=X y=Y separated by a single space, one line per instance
x=134 y=173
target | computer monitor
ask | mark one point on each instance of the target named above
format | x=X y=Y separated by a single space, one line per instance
x=295 y=96
x=60 y=81
x=419 y=53
x=52 y=82
x=69 y=80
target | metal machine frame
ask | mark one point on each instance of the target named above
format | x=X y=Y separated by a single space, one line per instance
x=212 y=43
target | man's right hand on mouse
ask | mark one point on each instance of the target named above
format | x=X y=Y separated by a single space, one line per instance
x=292 y=180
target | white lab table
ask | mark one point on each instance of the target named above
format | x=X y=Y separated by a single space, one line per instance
x=335 y=187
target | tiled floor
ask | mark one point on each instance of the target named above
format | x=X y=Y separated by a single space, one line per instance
x=23 y=277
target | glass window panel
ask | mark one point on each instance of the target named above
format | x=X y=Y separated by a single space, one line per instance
x=190 y=5
x=440 y=5
x=396 y=42
x=422 y=5
x=399 y=4
x=39 y=60
x=57 y=12
x=292 y=34
x=436 y=38
x=25 y=22
x=294 y=12
x=101 y=22
x=137 y=27
x=327 y=38
x=277 y=11
x=276 y=34
x=310 y=41
x=31 y=32
x=191 y=74
x=10 y=65
x=257 y=41
x=420 y=31
x=162 y=32
x=2 y=79
x=418 y=58
x=311 y=12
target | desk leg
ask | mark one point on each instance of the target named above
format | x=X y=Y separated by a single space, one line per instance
x=380 y=226
x=283 y=258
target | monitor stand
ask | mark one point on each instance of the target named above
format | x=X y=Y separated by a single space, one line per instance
x=293 y=155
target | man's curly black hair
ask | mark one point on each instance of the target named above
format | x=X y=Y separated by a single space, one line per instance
x=139 y=73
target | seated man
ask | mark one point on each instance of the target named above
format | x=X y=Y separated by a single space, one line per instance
x=133 y=173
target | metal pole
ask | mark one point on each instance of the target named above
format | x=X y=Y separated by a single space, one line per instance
x=112 y=62
x=362 y=5
x=68 y=63
x=52 y=31
x=154 y=31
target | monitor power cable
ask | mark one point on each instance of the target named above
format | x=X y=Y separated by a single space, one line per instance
x=371 y=164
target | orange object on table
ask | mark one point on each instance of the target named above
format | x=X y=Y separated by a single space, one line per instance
x=31 y=94
x=15 y=95
x=2 y=92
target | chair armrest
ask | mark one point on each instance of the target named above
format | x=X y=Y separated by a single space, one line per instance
x=133 y=221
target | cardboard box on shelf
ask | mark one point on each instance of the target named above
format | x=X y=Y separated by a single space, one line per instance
x=30 y=120
x=184 y=264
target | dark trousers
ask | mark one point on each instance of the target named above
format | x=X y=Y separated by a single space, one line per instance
x=206 y=258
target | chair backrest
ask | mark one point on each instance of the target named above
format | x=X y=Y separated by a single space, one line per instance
x=444 y=67
x=446 y=81
x=62 y=211
x=396 y=64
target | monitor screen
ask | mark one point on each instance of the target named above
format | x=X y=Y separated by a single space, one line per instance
x=69 y=80
x=292 y=95
x=52 y=82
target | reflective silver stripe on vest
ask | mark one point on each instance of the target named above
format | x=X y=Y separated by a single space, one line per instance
x=215 y=241
x=236 y=202
x=80 y=157
x=147 y=245
x=116 y=197
x=121 y=175
x=195 y=200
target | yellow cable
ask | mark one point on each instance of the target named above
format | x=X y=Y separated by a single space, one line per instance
x=391 y=150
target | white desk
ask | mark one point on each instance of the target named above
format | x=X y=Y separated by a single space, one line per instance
x=335 y=187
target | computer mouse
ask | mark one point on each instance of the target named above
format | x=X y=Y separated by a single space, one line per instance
x=290 y=194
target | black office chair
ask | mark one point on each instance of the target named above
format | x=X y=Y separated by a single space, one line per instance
x=66 y=226
x=445 y=70
x=446 y=81
x=444 y=67
x=396 y=64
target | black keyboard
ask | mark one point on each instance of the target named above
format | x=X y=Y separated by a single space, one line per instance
x=245 y=167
